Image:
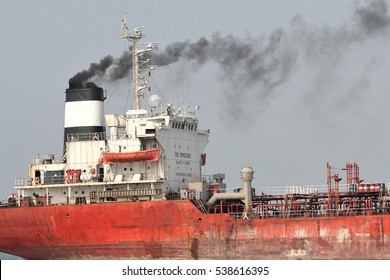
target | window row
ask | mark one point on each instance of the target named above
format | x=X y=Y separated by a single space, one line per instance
x=180 y=125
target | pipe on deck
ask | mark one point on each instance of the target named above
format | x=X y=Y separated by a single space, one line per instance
x=229 y=196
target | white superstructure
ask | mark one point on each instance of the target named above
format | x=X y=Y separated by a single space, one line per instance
x=144 y=154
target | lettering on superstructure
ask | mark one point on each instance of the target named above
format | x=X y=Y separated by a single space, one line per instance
x=183 y=174
x=182 y=155
x=183 y=159
x=183 y=162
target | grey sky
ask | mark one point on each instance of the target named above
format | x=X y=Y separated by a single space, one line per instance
x=323 y=98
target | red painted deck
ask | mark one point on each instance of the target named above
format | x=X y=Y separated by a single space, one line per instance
x=178 y=230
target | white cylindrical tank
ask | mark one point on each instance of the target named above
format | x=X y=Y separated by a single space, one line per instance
x=247 y=177
x=247 y=174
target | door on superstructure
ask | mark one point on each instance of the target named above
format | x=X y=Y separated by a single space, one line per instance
x=100 y=173
x=37 y=176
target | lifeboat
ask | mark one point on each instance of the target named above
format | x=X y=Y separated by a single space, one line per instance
x=146 y=155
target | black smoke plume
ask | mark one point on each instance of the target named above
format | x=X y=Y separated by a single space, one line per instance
x=95 y=69
x=254 y=68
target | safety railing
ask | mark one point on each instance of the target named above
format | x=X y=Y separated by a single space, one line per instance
x=94 y=136
x=264 y=212
x=23 y=182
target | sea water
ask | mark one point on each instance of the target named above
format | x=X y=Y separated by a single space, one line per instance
x=4 y=256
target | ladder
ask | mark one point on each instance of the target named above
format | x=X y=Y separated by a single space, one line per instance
x=196 y=201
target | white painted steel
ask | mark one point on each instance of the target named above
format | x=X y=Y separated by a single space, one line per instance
x=84 y=113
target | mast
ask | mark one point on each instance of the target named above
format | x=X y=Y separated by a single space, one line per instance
x=138 y=82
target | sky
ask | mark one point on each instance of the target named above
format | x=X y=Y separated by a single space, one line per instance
x=283 y=86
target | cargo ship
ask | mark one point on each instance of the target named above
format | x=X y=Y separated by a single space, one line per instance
x=131 y=186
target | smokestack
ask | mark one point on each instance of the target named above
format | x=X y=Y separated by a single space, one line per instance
x=84 y=114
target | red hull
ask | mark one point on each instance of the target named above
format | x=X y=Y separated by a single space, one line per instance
x=178 y=230
x=146 y=155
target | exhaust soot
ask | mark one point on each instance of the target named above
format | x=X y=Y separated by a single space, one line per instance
x=89 y=91
x=262 y=65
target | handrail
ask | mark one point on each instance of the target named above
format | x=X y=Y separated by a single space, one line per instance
x=92 y=136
